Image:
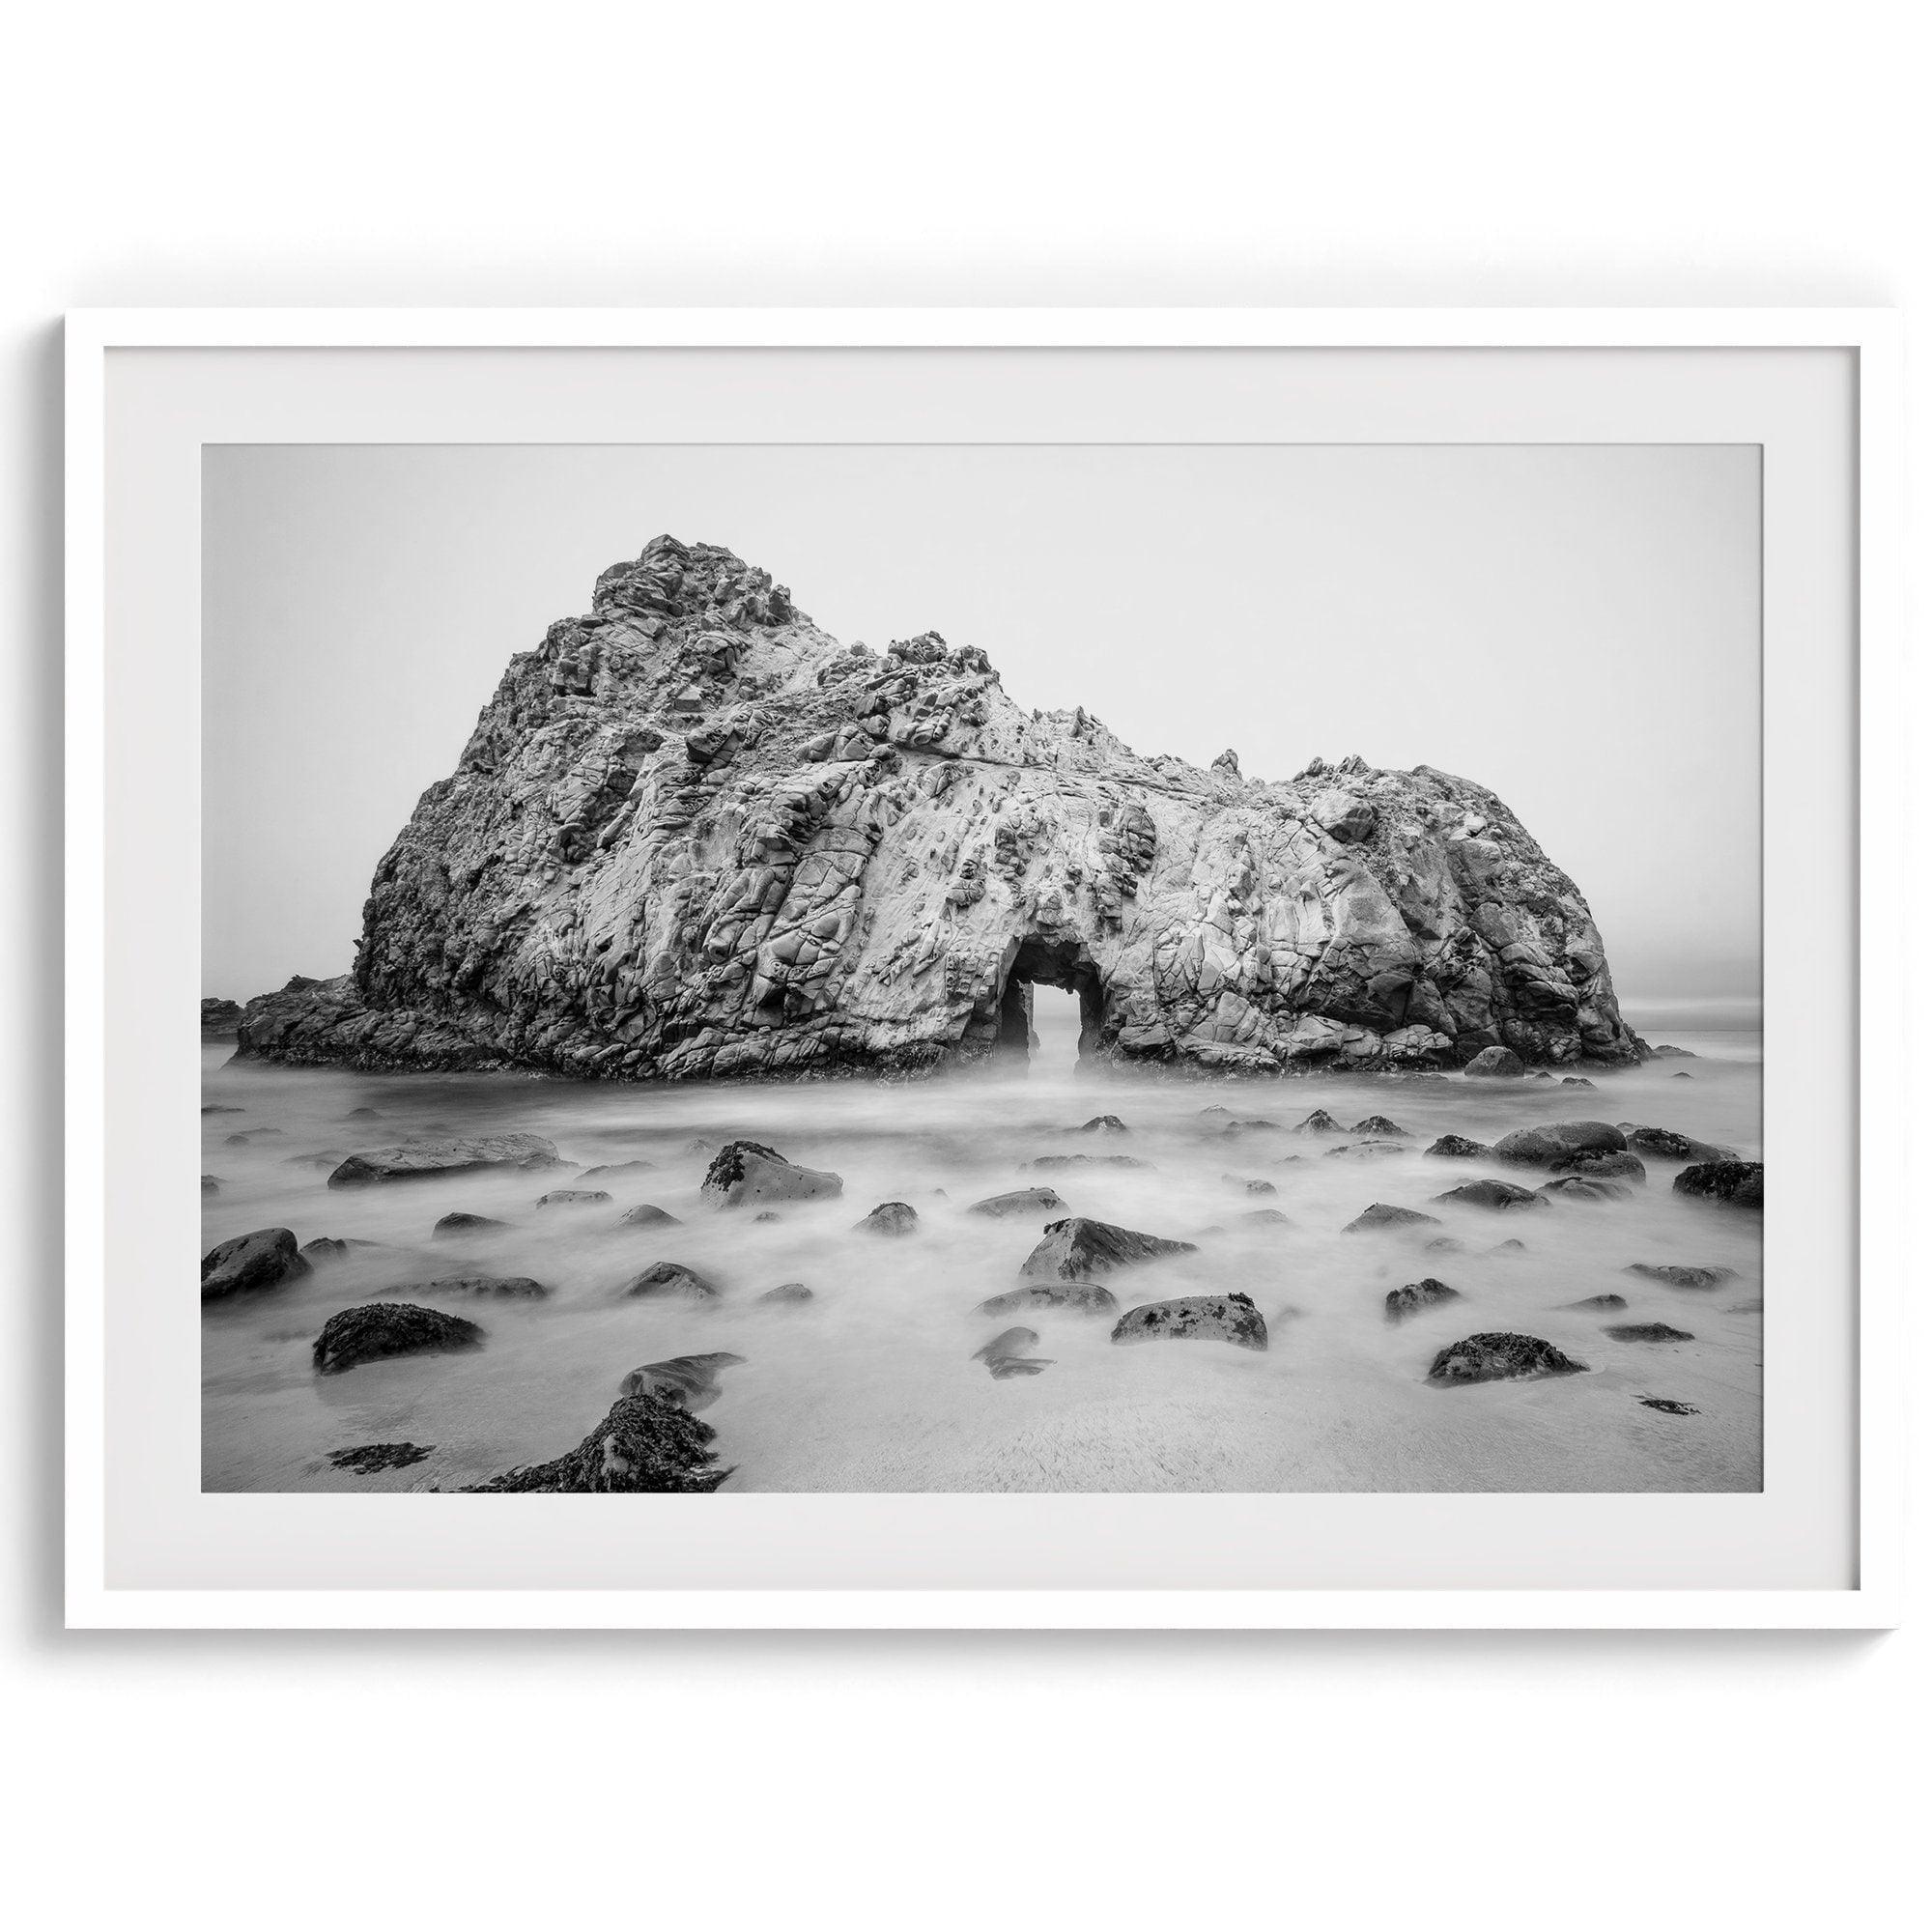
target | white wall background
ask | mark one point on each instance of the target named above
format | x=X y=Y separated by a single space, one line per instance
x=1683 y=152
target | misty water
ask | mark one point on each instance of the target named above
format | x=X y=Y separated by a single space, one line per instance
x=871 y=1386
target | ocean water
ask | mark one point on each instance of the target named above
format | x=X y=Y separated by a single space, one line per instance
x=872 y=1385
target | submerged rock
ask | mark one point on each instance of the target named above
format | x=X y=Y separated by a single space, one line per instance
x=1020 y=1201
x=1380 y=1214
x=453 y=1225
x=1320 y=1122
x=786 y=1292
x=1216 y=1318
x=689 y=1379
x=616 y=1170
x=1500 y=1358
x=250 y=1262
x=1102 y=1123
x=671 y=1280
x=371 y=1458
x=507 y=1287
x=889 y=1217
x=1498 y=1195
x=1495 y=1062
x=1084 y=1297
x=1399 y=1303
x=1666 y=1144
x=379 y=1329
x=648 y=1215
x=1006 y=1356
x=646 y=1446
x=1740 y=1182
x=1666 y=1404
x=1271 y=1218
x=1560 y=1140
x=572 y=1197
x=1454 y=1146
x=210 y=1183
x=1599 y=1304
x=1604 y=1166
x=747 y=1173
x=1077 y=1249
x=426 y=1159
x=1584 y=1187
x=1060 y=1160
x=1679 y=1275
x=1379 y=1123
x=1647 y=1331
x=324 y=1248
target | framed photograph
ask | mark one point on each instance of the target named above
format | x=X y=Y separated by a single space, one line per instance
x=976 y=968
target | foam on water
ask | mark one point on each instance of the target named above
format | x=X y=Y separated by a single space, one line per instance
x=872 y=1385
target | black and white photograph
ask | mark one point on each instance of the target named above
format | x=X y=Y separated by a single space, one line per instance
x=1002 y=968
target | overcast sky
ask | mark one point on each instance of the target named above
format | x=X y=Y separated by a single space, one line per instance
x=1575 y=628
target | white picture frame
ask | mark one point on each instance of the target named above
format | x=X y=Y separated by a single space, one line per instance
x=106 y=1589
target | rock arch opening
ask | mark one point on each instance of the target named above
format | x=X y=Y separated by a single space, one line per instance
x=1038 y=961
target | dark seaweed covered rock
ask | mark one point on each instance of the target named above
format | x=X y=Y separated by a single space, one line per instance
x=1559 y=1140
x=689 y=1379
x=1083 y=1297
x=646 y=1446
x=1399 y=1303
x=250 y=1262
x=371 y=1458
x=1740 y=1182
x=1020 y=1201
x=746 y=1173
x=1078 y=1249
x=669 y=1279
x=1380 y=1214
x=1214 y=1317
x=1667 y=1404
x=1681 y=1275
x=889 y=1217
x=1647 y=1331
x=1495 y=1062
x=430 y=1160
x=1455 y=1147
x=1497 y=1196
x=378 y=1329
x=1500 y=1358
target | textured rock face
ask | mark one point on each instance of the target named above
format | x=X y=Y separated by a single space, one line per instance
x=646 y=1446
x=380 y=1329
x=424 y=1161
x=265 y=1258
x=1496 y=1358
x=1189 y=1318
x=691 y=834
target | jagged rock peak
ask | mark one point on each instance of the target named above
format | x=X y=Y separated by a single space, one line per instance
x=694 y=834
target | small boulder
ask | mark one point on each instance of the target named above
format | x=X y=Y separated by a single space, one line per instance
x=1006 y=1356
x=1738 y=1182
x=1059 y=1160
x=1216 y=1318
x=1078 y=1249
x=645 y=1445
x=1320 y=1122
x=616 y=1170
x=371 y=1458
x=1497 y=1196
x=1495 y=1062
x=1380 y=1214
x=1271 y=1218
x=1647 y=1331
x=250 y=1262
x=1679 y=1275
x=453 y=1225
x=1020 y=1201
x=1666 y=1144
x=648 y=1216
x=1577 y=1080
x=1362 y=1149
x=690 y=1381
x=1442 y=1244
x=1399 y=1303
x=362 y=1114
x=429 y=1159
x=1599 y=1304
x=324 y=1248
x=1584 y=1187
x=210 y=1183
x=1379 y=1123
x=786 y=1292
x=572 y=1197
x=1545 y=1147
x=1499 y=1358
x=379 y=1329
x=747 y=1173
x=1248 y=1186
x=1603 y=1165
x=1511 y=1246
x=1454 y=1146
x=889 y=1217
x=1102 y=1123
x=249 y=1135
x=669 y=1280
x=1084 y=1297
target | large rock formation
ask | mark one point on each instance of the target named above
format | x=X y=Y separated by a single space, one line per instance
x=691 y=834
